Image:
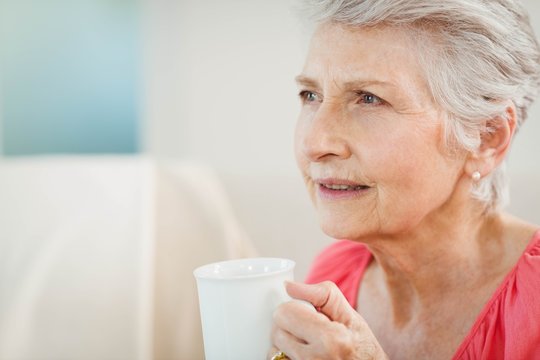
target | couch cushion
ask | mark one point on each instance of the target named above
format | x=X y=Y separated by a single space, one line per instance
x=97 y=254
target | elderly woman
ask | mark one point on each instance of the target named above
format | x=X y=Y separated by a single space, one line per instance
x=409 y=108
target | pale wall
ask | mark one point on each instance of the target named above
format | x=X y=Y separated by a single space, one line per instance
x=227 y=69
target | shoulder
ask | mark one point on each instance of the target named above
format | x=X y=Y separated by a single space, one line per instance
x=528 y=268
x=504 y=329
x=527 y=273
x=522 y=303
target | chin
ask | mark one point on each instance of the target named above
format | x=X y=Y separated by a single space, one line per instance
x=338 y=235
x=362 y=228
x=340 y=229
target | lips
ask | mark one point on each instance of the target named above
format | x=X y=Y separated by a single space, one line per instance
x=338 y=189
x=339 y=184
x=342 y=187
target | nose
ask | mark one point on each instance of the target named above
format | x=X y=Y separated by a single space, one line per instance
x=323 y=135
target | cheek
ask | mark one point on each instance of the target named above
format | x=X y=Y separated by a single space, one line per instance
x=413 y=177
x=301 y=160
x=403 y=152
x=426 y=188
x=301 y=132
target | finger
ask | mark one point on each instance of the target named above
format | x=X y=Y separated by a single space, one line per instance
x=288 y=343
x=299 y=319
x=276 y=327
x=326 y=297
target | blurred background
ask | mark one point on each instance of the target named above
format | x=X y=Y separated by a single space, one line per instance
x=204 y=85
x=185 y=79
x=209 y=81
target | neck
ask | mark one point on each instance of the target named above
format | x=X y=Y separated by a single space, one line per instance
x=439 y=259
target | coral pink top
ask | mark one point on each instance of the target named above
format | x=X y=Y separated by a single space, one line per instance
x=508 y=326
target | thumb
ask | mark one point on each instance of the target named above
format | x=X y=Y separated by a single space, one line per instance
x=325 y=297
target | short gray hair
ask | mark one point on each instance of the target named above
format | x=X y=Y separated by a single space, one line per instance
x=480 y=54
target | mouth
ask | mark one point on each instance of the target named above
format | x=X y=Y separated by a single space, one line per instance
x=343 y=187
x=337 y=189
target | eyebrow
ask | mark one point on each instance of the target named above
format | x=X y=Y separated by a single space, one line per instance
x=356 y=83
x=304 y=80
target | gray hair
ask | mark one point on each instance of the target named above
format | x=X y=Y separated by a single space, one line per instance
x=479 y=55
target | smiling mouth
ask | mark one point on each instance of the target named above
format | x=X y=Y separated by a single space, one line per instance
x=340 y=187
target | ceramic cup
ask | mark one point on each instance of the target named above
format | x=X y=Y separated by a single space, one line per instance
x=236 y=300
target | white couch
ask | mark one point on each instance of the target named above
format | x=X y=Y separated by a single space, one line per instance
x=96 y=256
x=97 y=253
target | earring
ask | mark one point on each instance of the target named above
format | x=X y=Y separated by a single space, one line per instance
x=476 y=175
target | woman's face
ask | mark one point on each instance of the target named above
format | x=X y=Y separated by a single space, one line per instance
x=369 y=139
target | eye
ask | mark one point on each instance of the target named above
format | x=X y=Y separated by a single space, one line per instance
x=308 y=96
x=369 y=98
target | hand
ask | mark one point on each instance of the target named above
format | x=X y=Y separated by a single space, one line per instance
x=333 y=331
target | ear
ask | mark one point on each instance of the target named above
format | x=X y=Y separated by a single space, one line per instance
x=494 y=143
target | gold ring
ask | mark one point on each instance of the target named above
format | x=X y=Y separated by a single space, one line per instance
x=280 y=355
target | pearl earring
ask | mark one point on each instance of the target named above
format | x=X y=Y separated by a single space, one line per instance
x=476 y=175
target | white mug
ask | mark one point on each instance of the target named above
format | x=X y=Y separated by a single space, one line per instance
x=236 y=300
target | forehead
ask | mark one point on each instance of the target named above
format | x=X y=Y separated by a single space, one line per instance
x=385 y=54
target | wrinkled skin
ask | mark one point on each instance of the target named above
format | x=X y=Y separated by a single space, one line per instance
x=333 y=331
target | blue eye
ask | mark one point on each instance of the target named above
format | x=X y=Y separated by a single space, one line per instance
x=368 y=98
x=308 y=96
